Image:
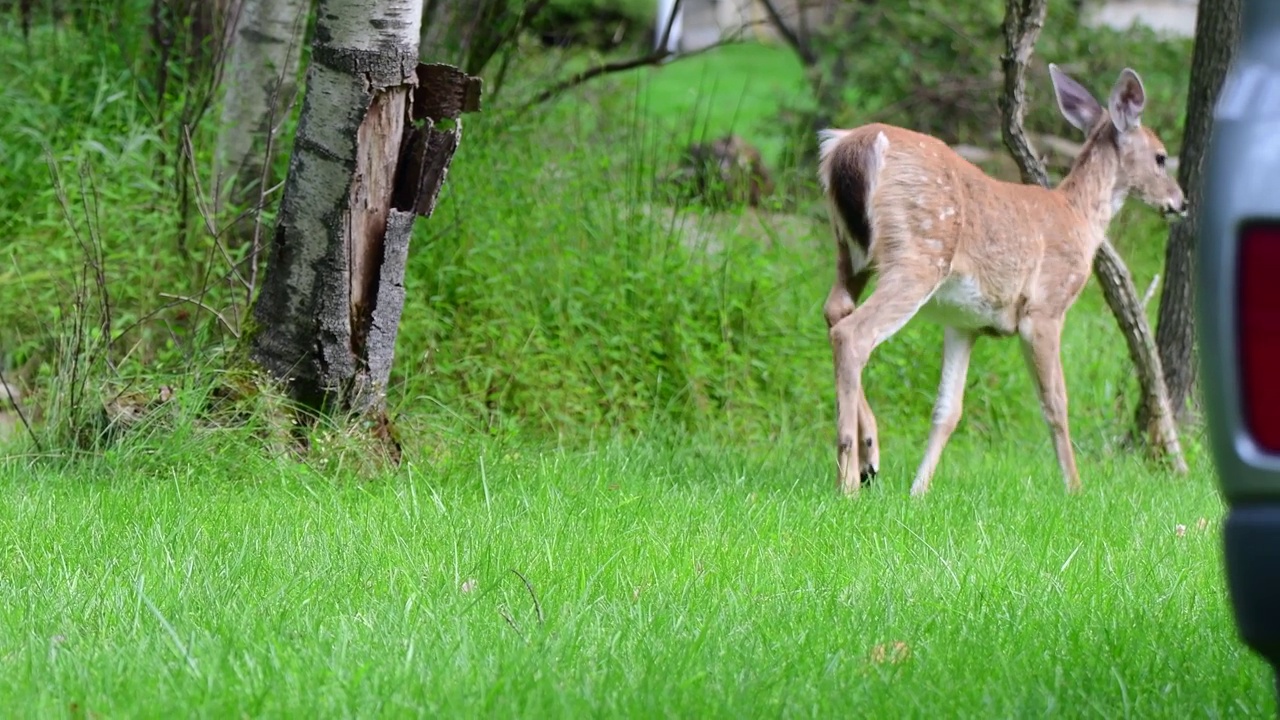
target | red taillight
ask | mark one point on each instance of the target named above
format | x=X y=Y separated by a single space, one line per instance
x=1259 y=328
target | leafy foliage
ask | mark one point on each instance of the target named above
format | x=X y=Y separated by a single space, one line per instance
x=933 y=65
x=560 y=290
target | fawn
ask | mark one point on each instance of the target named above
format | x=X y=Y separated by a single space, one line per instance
x=977 y=255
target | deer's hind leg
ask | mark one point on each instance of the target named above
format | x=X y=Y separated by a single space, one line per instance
x=841 y=301
x=897 y=298
x=957 y=345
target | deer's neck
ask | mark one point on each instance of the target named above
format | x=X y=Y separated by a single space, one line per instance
x=1092 y=186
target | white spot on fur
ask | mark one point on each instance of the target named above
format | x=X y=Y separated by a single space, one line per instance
x=933 y=244
x=857 y=256
x=926 y=224
x=1117 y=199
x=946 y=213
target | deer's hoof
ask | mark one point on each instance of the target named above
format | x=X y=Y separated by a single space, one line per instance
x=866 y=476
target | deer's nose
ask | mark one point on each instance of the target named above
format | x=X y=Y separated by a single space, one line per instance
x=1176 y=207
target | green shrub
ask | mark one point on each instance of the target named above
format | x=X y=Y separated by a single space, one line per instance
x=934 y=66
x=600 y=24
x=556 y=292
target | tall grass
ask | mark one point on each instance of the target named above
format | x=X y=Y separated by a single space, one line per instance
x=558 y=290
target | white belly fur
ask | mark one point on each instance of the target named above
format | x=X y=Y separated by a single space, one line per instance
x=959 y=303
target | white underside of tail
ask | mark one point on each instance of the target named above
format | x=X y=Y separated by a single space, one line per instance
x=827 y=141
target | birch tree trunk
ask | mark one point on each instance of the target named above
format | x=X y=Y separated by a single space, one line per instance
x=374 y=141
x=261 y=82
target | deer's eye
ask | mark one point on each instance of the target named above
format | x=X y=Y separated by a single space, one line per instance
x=1160 y=158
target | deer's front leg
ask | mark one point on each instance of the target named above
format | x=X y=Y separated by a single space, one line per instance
x=1042 y=348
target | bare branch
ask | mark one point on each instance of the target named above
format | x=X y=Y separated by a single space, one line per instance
x=669 y=22
x=202 y=207
x=658 y=55
x=9 y=392
x=1122 y=297
x=1023 y=21
x=537 y=606
x=653 y=58
x=802 y=48
x=200 y=304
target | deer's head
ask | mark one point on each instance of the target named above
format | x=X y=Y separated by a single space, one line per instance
x=1142 y=170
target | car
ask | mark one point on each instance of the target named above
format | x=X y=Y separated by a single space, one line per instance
x=1238 y=322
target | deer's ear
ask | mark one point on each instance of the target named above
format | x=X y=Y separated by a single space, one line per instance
x=1127 y=100
x=1076 y=103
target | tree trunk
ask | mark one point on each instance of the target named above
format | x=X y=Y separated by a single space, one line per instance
x=1122 y=297
x=373 y=145
x=1023 y=22
x=1217 y=35
x=261 y=82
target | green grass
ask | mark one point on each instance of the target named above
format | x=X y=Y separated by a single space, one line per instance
x=673 y=579
x=628 y=403
x=737 y=88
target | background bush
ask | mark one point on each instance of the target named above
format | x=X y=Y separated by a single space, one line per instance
x=558 y=292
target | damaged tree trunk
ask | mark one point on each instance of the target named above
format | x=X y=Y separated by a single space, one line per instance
x=1022 y=24
x=373 y=146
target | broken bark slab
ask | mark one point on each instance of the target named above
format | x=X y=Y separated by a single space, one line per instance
x=375 y=138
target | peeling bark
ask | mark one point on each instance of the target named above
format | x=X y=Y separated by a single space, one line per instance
x=1023 y=22
x=374 y=142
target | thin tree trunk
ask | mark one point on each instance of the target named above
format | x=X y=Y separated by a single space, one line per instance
x=1122 y=297
x=373 y=145
x=261 y=84
x=1023 y=21
x=1217 y=35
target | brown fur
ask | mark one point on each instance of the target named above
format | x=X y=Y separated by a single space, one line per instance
x=977 y=255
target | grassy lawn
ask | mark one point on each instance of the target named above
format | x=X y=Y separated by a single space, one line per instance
x=736 y=88
x=677 y=580
x=640 y=431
